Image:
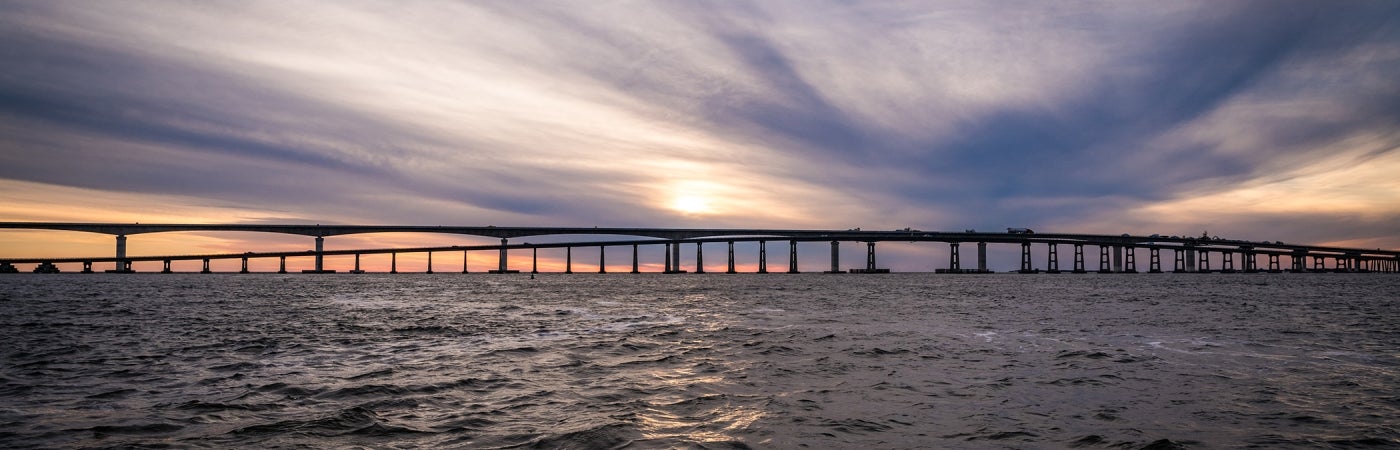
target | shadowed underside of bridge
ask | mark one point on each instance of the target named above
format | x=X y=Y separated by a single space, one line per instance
x=1117 y=254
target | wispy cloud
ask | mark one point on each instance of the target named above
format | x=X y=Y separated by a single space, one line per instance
x=796 y=114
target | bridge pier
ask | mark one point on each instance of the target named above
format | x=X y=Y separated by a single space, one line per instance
x=206 y=267
x=1026 y=258
x=394 y=262
x=792 y=257
x=357 y=268
x=568 y=260
x=320 y=255
x=731 y=258
x=245 y=265
x=1104 y=260
x=870 y=266
x=123 y=265
x=167 y=267
x=1227 y=262
x=1274 y=264
x=676 y=258
x=503 y=262
x=870 y=256
x=762 y=256
x=87 y=267
x=667 y=258
x=699 y=257
x=1204 y=264
x=835 y=257
x=1190 y=259
x=464 y=261
x=1251 y=265
x=602 y=263
x=430 y=262
x=282 y=265
x=1079 y=259
x=1154 y=260
x=634 y=259
x=981 y=257
x=1319 y=264
x=954 y=259
x=534 y=260
x=1118 y=259
x=1130 y=259
x=1052 y=258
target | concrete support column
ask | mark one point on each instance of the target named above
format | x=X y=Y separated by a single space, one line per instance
x=123 y=265
x=1251 y=265
x=167 y=267
x=792 y=257
x=1190 y=259
x=1118 y=259
x=87 y=267
x=634 y=259
x=981 y=257
x=357 y=265
x=602 y=255
x=1130 y=259
x=676 y=258
x=430 y=262
x=1026 y=258
x=699 y=257
x=954 y=259
x=1227 y=263
x=245 y=266
x=762 y=256
x=534 y=260
x=1204 y=264
x=206 y=267
x=282 y=265
x=870 y=256
x=1079 y=258
x=393 y=263
x=1154 y=260
x=1273 y=263
x=1104 y=260
x=501 y=261
x=835 y=257
x=464 y=261
x=1052 y=258
x=731 y=258
x=667 y=259
x=1180 y=264
x=568 y=260
x=320 y=247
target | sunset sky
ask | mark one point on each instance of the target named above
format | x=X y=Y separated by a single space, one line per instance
x=1269 y=120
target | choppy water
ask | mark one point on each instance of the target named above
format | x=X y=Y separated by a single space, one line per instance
x=702 y=361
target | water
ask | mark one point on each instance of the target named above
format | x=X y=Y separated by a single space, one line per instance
x=700 y=361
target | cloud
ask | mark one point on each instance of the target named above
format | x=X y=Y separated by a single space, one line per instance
x=785 y=114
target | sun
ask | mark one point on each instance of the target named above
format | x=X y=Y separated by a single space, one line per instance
x=691 y=204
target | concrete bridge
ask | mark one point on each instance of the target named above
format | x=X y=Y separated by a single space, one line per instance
x=1116 y=254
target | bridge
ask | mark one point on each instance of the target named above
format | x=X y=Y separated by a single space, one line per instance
x=1116 y=254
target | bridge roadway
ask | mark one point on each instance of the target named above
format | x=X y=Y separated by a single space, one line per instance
x=1111 y=248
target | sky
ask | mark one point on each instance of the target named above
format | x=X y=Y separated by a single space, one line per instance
x=1270 y=120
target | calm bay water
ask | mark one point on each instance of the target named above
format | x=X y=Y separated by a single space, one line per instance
x=701 y=361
